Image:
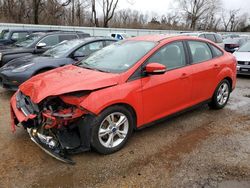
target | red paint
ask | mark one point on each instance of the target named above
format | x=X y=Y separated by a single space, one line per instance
x=155 y=67
x=152 y=97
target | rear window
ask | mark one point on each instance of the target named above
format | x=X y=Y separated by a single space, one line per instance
x=67 y=37
x=83 y=35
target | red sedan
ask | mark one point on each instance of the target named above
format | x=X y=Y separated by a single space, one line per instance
x=98 y=102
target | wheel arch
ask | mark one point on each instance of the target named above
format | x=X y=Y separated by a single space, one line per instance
x=226 y=74
x=230 y=80
x=127 y=106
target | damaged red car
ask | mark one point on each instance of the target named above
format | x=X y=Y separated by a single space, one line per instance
x=98 y=102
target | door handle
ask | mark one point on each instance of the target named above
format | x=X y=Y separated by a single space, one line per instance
x=184 y=75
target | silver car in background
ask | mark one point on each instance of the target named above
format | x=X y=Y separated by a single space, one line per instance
x=243 y=58
x=214 y=37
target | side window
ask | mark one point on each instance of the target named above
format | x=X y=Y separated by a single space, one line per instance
x=67 y=37
x=218 y=38
x=18 y=36
x=200 y=51
x=217 y=52
x=113 y=35
x=210 y=37
x=118 y=36
x=50 y=40
x=88 y=49
x=172 y=56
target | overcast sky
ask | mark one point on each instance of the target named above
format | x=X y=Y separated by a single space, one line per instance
x=163 y=6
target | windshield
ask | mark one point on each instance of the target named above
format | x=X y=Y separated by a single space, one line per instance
x=62 y=48
x=28 y=40
x=117 y=57
x=245 y=48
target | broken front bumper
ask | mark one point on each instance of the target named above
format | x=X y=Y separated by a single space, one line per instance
x=68 y=142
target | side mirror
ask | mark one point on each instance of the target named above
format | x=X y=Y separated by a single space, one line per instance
x=41 y=45
x=155 y=68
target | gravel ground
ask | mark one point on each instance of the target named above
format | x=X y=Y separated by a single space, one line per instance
x=201 y=148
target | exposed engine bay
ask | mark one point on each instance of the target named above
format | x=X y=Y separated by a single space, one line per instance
x=56 y=127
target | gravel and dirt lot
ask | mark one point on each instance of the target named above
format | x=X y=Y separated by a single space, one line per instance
x=201 y=148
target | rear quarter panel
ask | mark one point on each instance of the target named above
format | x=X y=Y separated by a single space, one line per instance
x=228 y=69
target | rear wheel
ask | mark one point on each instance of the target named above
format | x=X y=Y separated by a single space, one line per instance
x=112 y=129
x=221 y=95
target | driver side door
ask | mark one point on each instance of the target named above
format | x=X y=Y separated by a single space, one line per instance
x=170 y=92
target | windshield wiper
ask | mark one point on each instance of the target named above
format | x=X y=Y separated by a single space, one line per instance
x=90 y=68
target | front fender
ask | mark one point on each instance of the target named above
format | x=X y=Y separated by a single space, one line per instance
x=128 y=94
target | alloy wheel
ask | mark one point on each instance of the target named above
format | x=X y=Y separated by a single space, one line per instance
x=113 y=130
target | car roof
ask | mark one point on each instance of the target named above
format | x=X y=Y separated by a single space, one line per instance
x=89 y=39
x=163 y=37
x=153 y=38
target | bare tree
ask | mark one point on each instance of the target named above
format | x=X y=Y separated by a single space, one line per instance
x=36 y=4
x=94 y=18
x=195 y=9
x=108 y=9
x=229 y=18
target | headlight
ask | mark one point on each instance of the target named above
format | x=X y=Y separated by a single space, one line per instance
x=22 y=68
x=0 y=56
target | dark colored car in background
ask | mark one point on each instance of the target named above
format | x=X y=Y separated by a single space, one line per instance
x=21 y=69
x=10 y=36
x=37 y=43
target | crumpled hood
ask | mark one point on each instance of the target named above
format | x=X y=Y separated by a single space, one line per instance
x=65 y=80
x=242 y=56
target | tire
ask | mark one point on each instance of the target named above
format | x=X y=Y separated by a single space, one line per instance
x=107 y=136
x=221 y=95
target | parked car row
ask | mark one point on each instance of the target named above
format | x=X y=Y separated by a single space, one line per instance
x=229 y=42
x=43 y=51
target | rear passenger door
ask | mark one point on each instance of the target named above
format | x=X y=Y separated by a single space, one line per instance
x=205 y=71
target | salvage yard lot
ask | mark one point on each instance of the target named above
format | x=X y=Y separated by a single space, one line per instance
x=201 y=148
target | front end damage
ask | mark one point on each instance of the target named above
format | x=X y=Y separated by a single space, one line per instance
x=56 y=126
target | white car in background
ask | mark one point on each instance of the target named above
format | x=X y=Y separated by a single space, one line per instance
x=215 y=37
x=243 y=58
x=120 y=36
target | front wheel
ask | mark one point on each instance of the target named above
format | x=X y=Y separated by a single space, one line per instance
x=112 y=129
x=221 y=95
